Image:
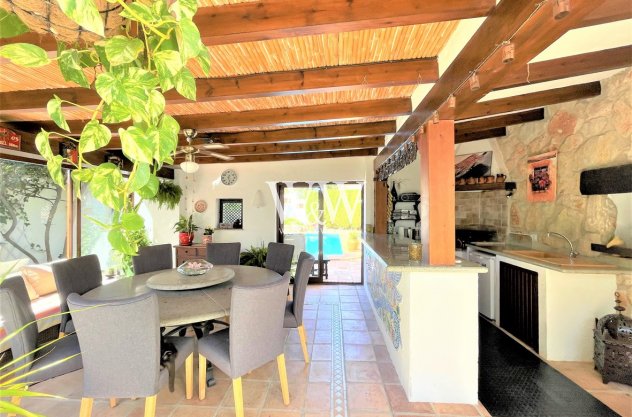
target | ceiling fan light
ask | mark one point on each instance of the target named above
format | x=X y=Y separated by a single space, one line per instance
x=189 y=167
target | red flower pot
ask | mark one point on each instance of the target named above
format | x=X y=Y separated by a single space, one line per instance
x=186 y=239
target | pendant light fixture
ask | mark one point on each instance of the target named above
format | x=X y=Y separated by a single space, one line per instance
x=189 y=165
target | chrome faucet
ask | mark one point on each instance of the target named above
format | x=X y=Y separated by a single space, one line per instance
x=573 y=254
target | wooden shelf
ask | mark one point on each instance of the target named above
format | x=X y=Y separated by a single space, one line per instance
x=507 y=186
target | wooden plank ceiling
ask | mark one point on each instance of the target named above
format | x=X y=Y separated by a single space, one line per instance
x=328 y=78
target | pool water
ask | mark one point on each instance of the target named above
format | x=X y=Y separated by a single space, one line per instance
x=331 y=244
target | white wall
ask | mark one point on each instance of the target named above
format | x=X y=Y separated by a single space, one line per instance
x=260 y=223
x=408 y=180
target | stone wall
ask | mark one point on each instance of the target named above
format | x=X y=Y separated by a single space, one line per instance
x=587 y=134
x=483 y=208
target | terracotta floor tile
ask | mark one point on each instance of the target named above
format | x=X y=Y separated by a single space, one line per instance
x=321 y=352
x=278 y=413
x=371 y=397
x=362 y=372
x=388 y=372
x=372 y=325
x=297 y=370
x=352 y=315
x=310 y=314
x=355 y=413
x=323 y=324
x=354 y=325
x=274 y=400
x=359 y=353
x=317 y=414
x=320 y=372
x=193 y=411
x=214 y=395
x=399 y=402
x=309 y=324
x=294 y=352
x=267 y=372
x=254 y=393
x=161 y=411
x=329 y=300
x=322 y=336
x=230 y=412
x=349 y=299
x=376 y=337
x=350 y=307
x=293 y=337
x=455 y=409
x=619 y=402
x=356 y=337
x=381 y=354
x=317 y=396
x=310 y=306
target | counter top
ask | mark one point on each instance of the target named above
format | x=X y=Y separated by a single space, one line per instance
x=393 y=251
x=611 y=265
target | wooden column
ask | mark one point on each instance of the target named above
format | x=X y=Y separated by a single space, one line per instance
x=436 y=156
x=69 y=215
x=380 y=203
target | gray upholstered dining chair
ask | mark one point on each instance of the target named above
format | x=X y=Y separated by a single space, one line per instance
x=279 y=257
x=153 y=258
x=223 y=253
x=78 y=275
x=37 y=363
x=120 y=345
x=294 y=309
x=255 y=337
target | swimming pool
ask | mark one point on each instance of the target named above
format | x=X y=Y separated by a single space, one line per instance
x=331 y=244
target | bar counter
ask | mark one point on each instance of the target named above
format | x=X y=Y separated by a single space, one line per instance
x=428 y=315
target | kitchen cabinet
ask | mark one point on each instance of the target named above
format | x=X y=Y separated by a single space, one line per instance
x=184 y=253
x=519 y=303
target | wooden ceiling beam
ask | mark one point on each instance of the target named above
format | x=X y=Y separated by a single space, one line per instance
x=531 y=100
x=470 y=126
x=294 y=156
x=298 y=147
x=319 y=80
x=530 y=30
x=205 y=122
x=273 y=19
x=481 y=134
x=570 y=66
x=610 y=11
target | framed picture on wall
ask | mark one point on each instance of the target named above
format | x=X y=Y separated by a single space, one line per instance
x=473 y=165
x=542 y=181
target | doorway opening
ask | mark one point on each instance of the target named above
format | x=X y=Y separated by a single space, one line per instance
x=325 y=220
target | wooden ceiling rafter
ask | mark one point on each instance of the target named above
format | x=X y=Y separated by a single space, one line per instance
x=476 y=125
x=294 y=156
x=522 y=22
x=495 y=132
x=346 y=77
x=268 y=117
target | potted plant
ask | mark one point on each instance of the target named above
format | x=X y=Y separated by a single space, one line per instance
x=185 y=227
x=208 y=235
x=168 y=195
x=254 y=256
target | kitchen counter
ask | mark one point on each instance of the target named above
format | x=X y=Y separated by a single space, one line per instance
x=413 y=304
x=611 y=265
x=393 y=251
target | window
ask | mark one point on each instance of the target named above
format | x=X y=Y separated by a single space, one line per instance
x=231 y=213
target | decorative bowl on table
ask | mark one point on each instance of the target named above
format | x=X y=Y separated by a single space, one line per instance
x=194 y=267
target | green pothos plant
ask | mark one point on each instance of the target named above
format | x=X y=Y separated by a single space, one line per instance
x=132 y=71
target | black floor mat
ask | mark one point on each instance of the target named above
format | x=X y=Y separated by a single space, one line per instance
x=514 y=382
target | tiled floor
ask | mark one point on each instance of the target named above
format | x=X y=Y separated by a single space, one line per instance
x=350 y=375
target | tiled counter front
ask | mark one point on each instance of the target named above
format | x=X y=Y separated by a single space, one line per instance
x=428 y=316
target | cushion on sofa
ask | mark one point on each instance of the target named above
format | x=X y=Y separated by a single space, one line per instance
x=33 y=295
x=40 y=277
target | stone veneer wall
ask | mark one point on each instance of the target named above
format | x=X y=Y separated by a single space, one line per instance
x=483 y=208
x=591 y=133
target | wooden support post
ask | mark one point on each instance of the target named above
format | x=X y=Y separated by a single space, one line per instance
x=69 y=216
x=381 y=199
x=436 y=156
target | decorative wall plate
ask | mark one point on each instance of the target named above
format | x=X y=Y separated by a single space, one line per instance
x=229 y=177
x=200 y=206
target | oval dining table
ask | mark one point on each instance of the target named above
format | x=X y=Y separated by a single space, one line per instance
x=177 y=308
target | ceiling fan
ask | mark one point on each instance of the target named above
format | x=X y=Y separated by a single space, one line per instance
x=190 y=150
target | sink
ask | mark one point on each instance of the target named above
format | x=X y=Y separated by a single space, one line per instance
x=559 y=259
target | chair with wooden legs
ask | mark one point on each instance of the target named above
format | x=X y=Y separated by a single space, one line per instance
x=153 y=258
x=32 y=363
x=294 y=309
x=120 y=345
x=255 y=337
x=223 y=253
x=279 y=257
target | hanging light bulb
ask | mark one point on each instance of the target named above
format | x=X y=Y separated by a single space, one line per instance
x=189 y=165
x=474 y=82
x=561 y=9
x=508 y=53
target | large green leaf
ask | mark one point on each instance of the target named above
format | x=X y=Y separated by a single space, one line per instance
x=137 y=144
x=25 y=54
x=82 y=175
x=183 y=9
x=54 y=169
x=70 y=67
x=168 y=129
x=185 y=84
x=168 y=64
x=107 y=85
x=156 y=105
x=105 y=185
x=189 y=38
x=84 y=13
x=132 y=221
x=43 y=145
x=140 y=178
x=204 y=59
x=11 y=25
x=123 y=50
x=54 y=111
x=94 y=136
x=115 y=113
x=120 y=243
x=103 y=59
x=150 y=189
